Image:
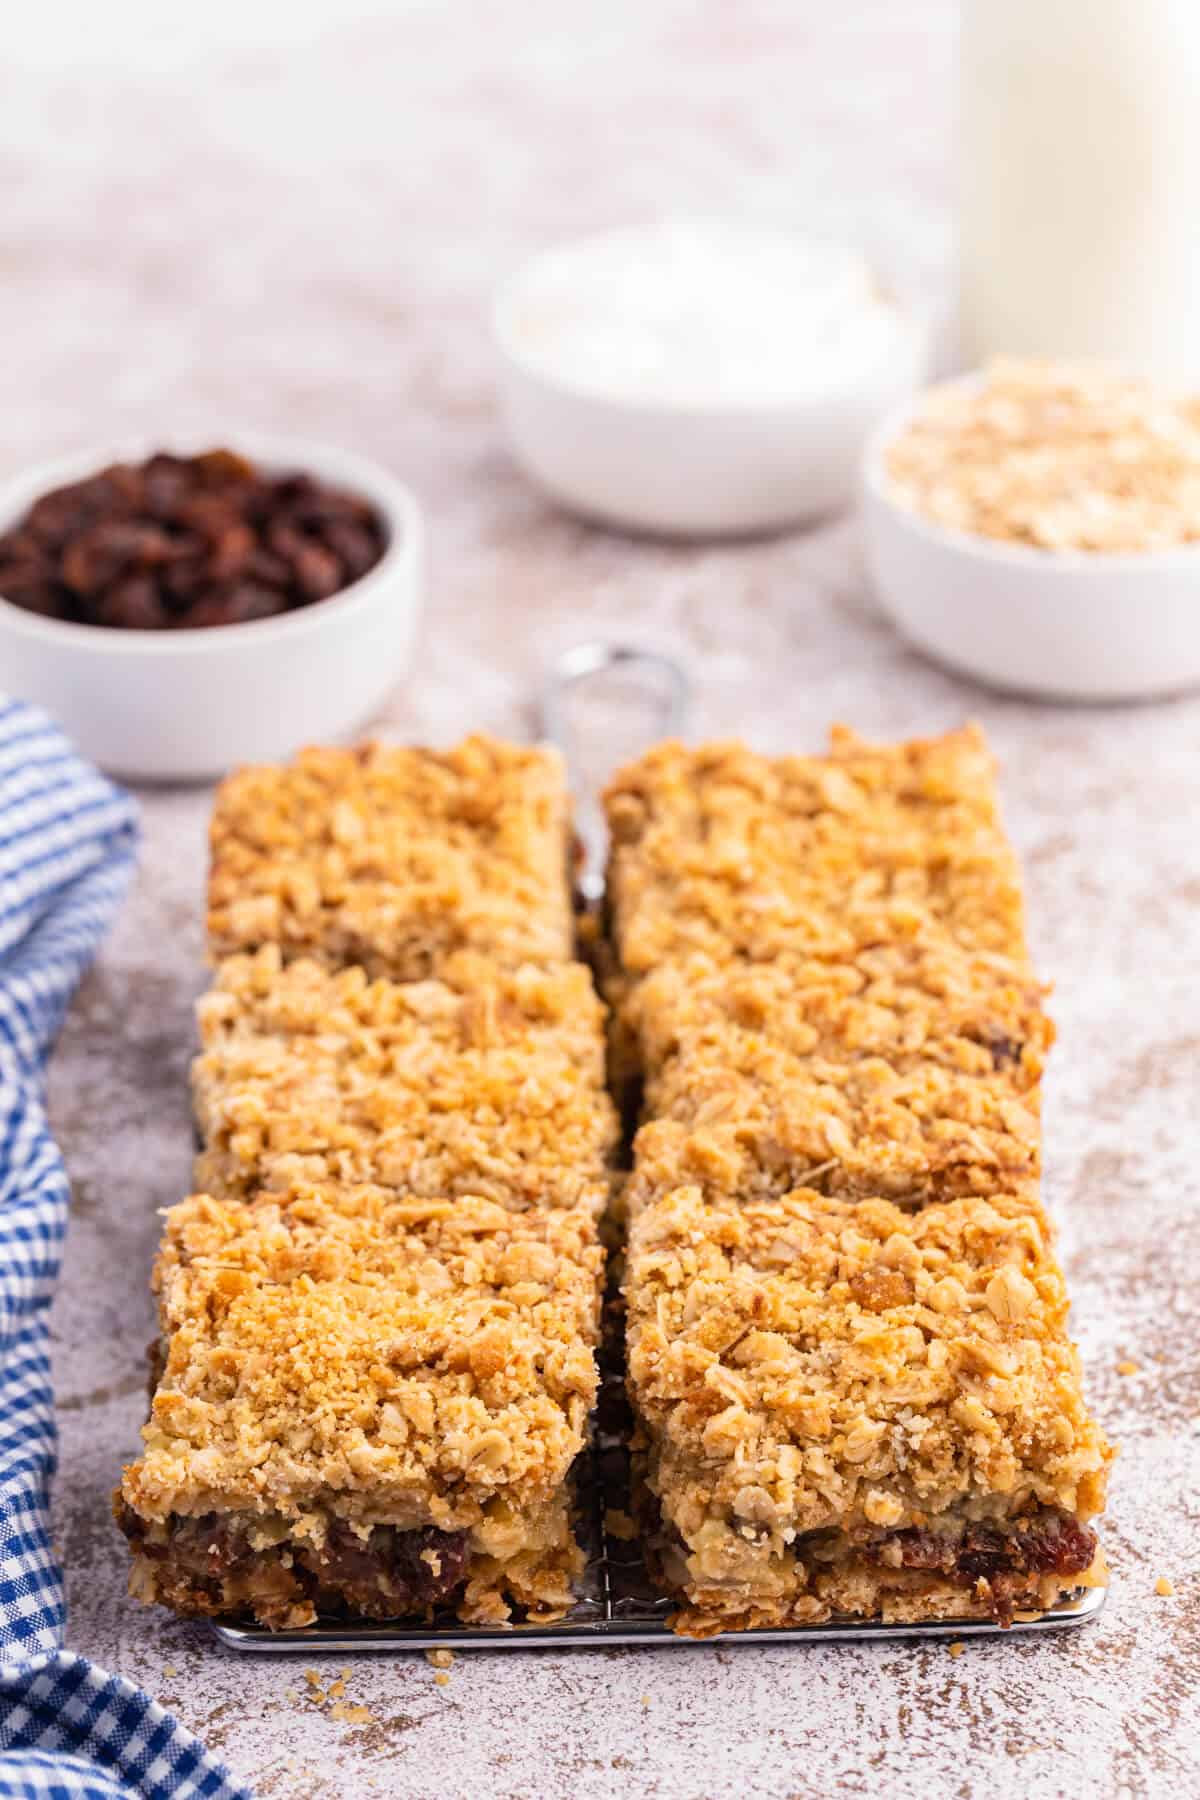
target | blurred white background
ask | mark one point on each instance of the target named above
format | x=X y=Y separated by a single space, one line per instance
x=295 y=213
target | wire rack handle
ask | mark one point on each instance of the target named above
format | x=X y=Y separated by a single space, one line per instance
x=582 y=664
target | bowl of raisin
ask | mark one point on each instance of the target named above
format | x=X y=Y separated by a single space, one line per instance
x=182 y=611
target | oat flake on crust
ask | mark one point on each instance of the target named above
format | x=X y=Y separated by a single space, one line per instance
x=380 y=1359
x=494 y=1090
x=395 y=858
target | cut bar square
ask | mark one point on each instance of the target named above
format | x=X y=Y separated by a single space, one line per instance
x=850 y=1410
x=367 y=1405
x=491 y=1087
x=903 y=1072
x=395 y=858
x=722 y=851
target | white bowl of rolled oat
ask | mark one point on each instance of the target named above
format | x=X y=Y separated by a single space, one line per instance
x=1037 y=526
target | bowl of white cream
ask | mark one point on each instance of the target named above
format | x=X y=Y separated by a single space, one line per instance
x=700 y=378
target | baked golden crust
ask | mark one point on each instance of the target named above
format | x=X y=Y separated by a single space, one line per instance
x=395 y=858
x=905 y=1001
x=342 y=1352
x=491 y=1087
x=906 y=1072
x=741 y=856
x=816 y=1376
x=847 y=1333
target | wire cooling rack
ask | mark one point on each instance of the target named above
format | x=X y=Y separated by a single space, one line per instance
x=602 y=1623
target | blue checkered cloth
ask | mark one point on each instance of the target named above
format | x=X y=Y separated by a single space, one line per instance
x=68 y=1730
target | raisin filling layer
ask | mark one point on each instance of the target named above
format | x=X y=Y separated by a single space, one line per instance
x=1008 y=1559
x=212 y=1567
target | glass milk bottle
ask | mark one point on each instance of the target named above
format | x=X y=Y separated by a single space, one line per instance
x=1080 y=200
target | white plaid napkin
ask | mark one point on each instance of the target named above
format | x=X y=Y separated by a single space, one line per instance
x=68 y=1730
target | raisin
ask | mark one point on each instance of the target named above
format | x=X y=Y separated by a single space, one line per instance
x=318 y=573
x=243 y=602
x=353 y=544
x=186 y=542
x=133 y=603
x=100 y=554
x=1006 y=1051
x=1048 y=1543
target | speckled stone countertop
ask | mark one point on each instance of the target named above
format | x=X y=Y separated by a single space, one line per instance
x=303 y=236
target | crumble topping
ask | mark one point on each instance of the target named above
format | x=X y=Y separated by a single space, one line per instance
x=813 y=1361
x=848 y=1356
x=847 y=1331
x=854 y=1077
x=344 y=1352
x=395 y=858
x=494 y=1089
x=903 y=1001
x=819 y=1375
x=378 y=1318
x=743 y=857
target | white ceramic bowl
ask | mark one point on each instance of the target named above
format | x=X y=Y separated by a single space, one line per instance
x=681 y=469
x=1061 y=625
x=187 y=705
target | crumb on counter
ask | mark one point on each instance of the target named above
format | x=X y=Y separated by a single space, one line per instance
x=441 y=1659
x=1164 y=1587
x=442 y=1679
x=352 y=1715
x=1128 y=1367
x=957 y=1647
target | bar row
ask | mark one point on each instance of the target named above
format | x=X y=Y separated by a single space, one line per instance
x=378 y=1311
x=847 y=1333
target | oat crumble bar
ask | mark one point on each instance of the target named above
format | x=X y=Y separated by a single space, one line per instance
x=848 y=1360
x=492 y=1086
x=851 y=1410
x=853 y=1387
x=395 y=858
x=379 y=1310
x=367 y=1404
x=744 y=857
x=879 y=1076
